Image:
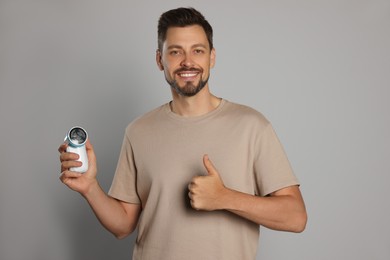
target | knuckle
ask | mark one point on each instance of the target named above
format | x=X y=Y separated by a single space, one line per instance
x=196 y=180
x=194 y=205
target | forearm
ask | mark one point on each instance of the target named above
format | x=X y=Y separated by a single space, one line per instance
x=118 y=217
x=283 y=212
x=109 y=211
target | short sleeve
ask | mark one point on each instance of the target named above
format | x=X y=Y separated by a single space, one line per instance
x=124 y=184
x=271 y=166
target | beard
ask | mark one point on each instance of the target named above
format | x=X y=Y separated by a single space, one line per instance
x=189 y=89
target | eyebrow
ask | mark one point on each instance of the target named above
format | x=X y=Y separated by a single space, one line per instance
x=175 y=46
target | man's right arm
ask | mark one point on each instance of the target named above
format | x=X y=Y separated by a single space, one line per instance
x=118 y=217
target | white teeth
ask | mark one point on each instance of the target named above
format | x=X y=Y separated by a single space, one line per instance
x=188 y=75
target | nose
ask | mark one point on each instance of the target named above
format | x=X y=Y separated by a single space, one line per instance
x=186 y=61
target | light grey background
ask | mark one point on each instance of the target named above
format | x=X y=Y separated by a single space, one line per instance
x=318 y=70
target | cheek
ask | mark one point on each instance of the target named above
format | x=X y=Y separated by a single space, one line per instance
x=206 y=68
x=167 y=74
x=170 y=67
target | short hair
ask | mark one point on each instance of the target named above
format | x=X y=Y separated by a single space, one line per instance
x=182 y=17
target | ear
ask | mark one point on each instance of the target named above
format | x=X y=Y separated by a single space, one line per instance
x=158 y=59
x=212 y=58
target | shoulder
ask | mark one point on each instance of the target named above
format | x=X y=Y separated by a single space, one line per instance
x=245 y=114
x=146 y=121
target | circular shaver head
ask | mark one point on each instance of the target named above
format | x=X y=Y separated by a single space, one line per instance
x=77 y=136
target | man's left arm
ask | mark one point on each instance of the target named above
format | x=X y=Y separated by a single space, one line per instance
x=282 y=210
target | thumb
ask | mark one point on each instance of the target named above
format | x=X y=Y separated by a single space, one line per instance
x=91 y=155
x=211 y=170
x=90 y=150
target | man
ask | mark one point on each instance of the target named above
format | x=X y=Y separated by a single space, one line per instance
x=199 y=174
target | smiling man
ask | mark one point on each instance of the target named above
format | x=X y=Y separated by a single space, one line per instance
x=199 y=174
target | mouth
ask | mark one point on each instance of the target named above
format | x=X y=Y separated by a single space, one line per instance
x=188 y=75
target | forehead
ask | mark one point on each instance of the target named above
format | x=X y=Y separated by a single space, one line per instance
x=184 y=36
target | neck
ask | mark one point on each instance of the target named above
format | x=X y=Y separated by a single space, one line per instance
x=200 y=104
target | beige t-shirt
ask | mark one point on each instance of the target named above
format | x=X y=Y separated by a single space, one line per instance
x=160 y=155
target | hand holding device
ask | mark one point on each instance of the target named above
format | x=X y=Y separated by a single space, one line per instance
x=76 y=139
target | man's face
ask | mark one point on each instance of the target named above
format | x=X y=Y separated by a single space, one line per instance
x=186 y=59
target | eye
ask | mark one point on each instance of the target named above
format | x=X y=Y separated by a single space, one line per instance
x=174 y=52
x=198 y=51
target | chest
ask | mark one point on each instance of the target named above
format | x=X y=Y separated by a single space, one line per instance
x=168 y=158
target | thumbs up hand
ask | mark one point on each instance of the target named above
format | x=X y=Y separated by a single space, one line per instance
x=206 y=192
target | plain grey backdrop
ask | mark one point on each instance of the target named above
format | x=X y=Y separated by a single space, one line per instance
x=318 y=70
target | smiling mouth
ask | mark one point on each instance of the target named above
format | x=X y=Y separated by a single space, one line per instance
x=188 y=75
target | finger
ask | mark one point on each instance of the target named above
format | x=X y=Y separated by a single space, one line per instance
x=88 y=144
x=69 y=174
x=68 y=167
x=211 y=170
x=90 y=153
x=68 y=164
x=69 y=156
x=194 y=205
x=62 y=147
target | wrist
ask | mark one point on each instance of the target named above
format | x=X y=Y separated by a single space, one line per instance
x=225 y=198
x=91 y=190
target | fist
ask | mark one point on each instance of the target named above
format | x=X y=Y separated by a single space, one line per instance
x=206 y=192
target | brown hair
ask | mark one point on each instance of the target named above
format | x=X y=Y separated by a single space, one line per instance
x=182 y=17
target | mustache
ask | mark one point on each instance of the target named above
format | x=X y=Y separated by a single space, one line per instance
x=187 y=69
